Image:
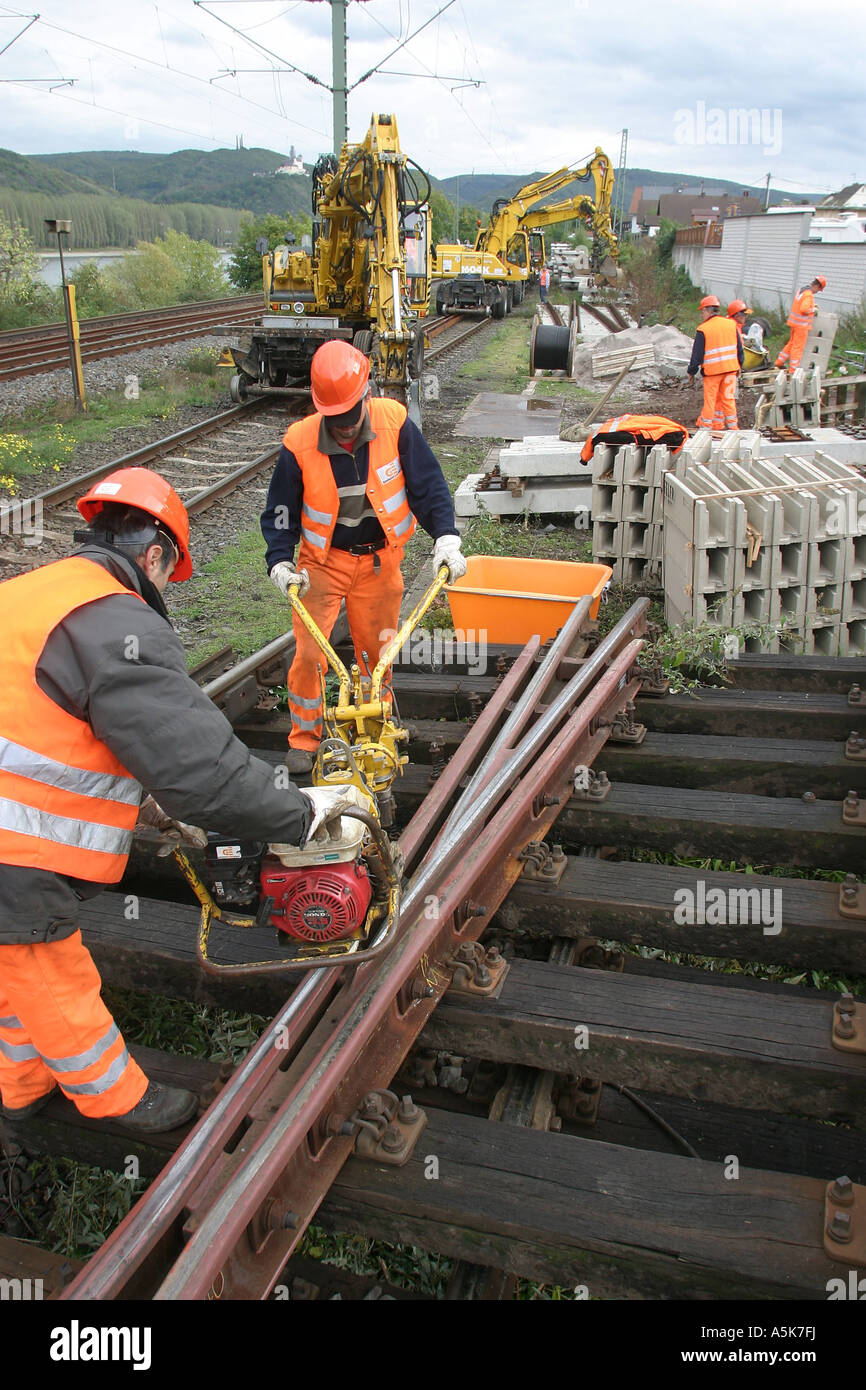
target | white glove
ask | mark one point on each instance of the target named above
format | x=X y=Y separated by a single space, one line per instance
x=285 y=575
x=328 y=804
x=447 y=551
x=172 y=833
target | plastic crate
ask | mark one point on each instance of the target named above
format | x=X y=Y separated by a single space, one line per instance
x=514 y=599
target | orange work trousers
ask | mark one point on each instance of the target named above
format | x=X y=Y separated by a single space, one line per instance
x=372 y=586
x=793 y=349
x=720 y=403
x=55 y=1029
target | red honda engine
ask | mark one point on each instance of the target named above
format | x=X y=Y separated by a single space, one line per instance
x=318 y=904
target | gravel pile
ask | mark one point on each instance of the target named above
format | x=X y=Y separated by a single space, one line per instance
x=109 y=374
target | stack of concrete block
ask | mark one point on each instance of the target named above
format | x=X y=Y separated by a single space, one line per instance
x=627 y=510
x=794 y=400
x=777 y=544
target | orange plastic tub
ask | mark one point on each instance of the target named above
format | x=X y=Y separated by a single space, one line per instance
x=514 y=599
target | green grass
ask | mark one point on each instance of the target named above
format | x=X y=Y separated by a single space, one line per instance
x=34 y=444
x=231 y=600
x=503 y=362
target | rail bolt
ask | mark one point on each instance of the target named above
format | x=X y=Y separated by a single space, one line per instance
x=842 y=1192
x=840 y=1228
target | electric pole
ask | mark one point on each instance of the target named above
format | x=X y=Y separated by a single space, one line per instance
x=338 y=70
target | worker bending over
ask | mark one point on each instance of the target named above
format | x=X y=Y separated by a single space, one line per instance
x=718 y=354
x=95 y=705
x=800 y=321
x=348 y=484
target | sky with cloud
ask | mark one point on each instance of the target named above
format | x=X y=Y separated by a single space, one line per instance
x=490 y=86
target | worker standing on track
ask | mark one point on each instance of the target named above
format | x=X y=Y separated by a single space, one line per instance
x=718 y=354
x=800 y=321
x=348 y=484
x=543 y=283
x=95 y=705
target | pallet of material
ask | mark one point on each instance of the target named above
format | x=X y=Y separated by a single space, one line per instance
x=609 y=363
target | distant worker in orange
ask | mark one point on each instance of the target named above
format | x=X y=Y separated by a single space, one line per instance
x=800 y=321
x=718 y=354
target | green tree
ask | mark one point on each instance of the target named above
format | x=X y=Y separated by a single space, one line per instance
x=93 y=294
x=665 y=238
x=202 y=275
x=24 y=299
x=19 y=263
x=245 y=262
x=442 y=212
x=468 y=223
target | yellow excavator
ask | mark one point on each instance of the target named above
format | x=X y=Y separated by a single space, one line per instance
x=363 y=279
x=508 y=252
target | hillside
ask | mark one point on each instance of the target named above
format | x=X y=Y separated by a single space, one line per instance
x=24 y=175
x=231 y=178
x=481 y=190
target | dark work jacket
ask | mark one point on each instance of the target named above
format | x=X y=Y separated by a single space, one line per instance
x=164 y=730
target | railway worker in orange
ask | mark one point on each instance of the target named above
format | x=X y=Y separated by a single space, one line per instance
x=800 y=321
x=348 y=484
x=95 y=705
x=737 y=310
x=718 y=354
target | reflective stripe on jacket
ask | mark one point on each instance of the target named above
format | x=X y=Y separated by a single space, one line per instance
x=67 y=804
x=386 y=485
x=802 y=310
x=643 y=429
x=720 y=350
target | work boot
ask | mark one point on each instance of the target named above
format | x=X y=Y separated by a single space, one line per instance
x=24 y=1112
x=299 y=760
x=160 y=1108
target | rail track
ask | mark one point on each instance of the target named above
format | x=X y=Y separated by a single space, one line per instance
x=548 y=1163
x=25 y=352
x=204 y=463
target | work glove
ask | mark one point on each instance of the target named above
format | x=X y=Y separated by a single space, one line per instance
x=285 y=575
x=172 y=833
x=447 y=551
x=328 y=804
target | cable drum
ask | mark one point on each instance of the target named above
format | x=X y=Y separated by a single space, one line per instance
x=551 y=348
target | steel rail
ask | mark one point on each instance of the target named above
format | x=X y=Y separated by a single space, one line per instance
x=151 y=1217
x=338 y=1074
x=139 y=458
x=25 y=335
x=166 y=1204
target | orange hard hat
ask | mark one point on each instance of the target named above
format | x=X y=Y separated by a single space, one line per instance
x=819 y=280
x=737 y=306
x=710 y=302
x=142 y=488
x=338 y=377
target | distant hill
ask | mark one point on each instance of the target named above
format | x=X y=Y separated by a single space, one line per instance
x=23 y=174
x=481 y=190
x=231 y=178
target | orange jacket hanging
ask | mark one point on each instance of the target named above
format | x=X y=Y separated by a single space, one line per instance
x=67 y=804
x=386 y=485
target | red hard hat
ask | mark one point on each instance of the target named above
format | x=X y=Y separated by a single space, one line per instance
x=140 y=487
x=710 y=302
x=737 y=306
x=338 y=377
x=819 y=279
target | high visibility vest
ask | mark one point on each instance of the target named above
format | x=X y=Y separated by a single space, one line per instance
x=386 y=485
x=802 y=310
x=720 y=353
x=67 y=804
x=644 y=429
